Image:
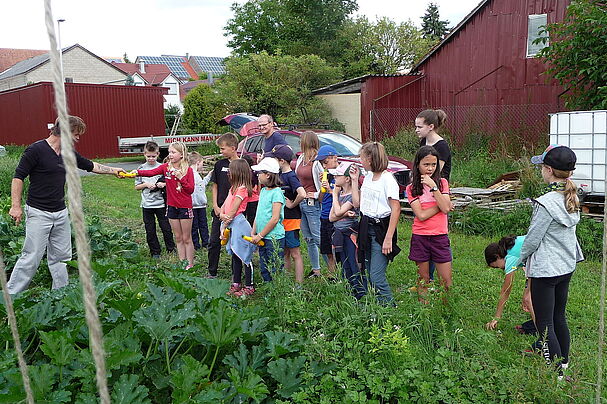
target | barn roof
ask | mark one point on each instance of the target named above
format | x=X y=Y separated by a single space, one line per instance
x=351 y=86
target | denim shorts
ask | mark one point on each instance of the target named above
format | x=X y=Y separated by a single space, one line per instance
x=292 y=239
x=430 y=248
x=179 y=213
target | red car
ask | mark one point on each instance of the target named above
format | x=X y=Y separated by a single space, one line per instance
x=347 y=147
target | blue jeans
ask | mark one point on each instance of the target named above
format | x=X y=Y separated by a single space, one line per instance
x=376 y=263
x=200 y=228
x=350 y=270
x=310 y=228
x=271 y=257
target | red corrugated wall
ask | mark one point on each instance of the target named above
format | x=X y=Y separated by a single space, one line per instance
x=483 y=65
x=391 y=91
x=109 y=111
x=485 y=62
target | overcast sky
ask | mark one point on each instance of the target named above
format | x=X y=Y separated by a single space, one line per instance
x=155 y=27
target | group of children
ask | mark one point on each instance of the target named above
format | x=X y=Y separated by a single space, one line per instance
x=352 y=221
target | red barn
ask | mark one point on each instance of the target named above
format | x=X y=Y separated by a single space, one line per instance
x=484 y=74
x=109 y=111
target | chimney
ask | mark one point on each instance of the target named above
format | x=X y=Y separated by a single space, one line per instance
x=187 y=56
x=142 y=67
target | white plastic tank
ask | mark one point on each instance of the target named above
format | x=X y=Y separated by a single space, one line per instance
x=585 y=132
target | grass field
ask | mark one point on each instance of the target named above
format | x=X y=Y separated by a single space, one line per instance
x=458 y=326
x=355 y=352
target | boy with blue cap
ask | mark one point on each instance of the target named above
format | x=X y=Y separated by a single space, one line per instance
x=327 y=156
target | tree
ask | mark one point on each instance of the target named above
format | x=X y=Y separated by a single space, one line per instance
x=288 y=27
x=395 y=47
x=126 y=58
x=577 y=54
x=278 y=85
x=432 y=26
x=170 y=115
x=202 y=110
x=383 y=47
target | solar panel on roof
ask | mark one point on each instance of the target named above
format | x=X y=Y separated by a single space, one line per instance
x=173 y=63
x=211 y=64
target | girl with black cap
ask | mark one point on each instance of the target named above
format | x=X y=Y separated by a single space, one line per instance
x=551 y=251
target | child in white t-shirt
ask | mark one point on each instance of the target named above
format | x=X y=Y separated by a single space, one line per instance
x=380 y=209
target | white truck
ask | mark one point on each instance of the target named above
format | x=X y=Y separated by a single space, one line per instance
x=585 y=132
x=134 y=145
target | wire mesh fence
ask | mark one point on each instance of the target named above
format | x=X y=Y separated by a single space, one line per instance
x=514 y=125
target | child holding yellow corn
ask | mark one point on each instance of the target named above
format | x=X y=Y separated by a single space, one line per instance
x=231 y=214
x=153 y=202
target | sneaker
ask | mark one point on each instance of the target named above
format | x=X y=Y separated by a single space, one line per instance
x=314 y=274
x=235 y=288
x=189 y=266
x=246 y=291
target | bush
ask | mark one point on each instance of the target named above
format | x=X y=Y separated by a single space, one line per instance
x=8 y=164
x=478 y=221
x=404 y=144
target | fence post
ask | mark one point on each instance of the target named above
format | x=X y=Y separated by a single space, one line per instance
x=371 y=129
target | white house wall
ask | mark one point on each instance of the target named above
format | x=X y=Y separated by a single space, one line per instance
x=13 y=82
x=172 y=98
x=346 y=109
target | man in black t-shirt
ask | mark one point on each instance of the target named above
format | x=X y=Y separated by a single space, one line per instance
x=47 y=226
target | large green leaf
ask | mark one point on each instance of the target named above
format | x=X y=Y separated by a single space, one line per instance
x=252 y=328
x=44 y=313
x=221 y=324
x=128 y=391
x=166 y=314
x=59 y=346
x=122 y=347
x=286 y=372
x=281 y=343
x=249 y=387
x=42 y=379
x=187 y=378
x=242 y=360
x=126 y=306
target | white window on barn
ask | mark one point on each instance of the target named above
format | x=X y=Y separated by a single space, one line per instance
x=535 y=24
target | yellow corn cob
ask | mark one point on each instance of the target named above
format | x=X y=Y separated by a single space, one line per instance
x=226 y=236
x=250 y=240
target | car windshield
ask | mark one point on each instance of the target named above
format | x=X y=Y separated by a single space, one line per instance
x=345 y=145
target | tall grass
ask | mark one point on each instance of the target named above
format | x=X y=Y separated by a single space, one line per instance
x=477 y=160
x=8 y=164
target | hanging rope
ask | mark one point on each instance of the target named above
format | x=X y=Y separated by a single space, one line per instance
x=12 y=321
x=76 y=214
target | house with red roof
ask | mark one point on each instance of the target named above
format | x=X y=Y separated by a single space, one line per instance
x=10 y=57
x=79 y=66
x=157 y=75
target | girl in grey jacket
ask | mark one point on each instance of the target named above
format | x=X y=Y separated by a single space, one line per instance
x=551 y=251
